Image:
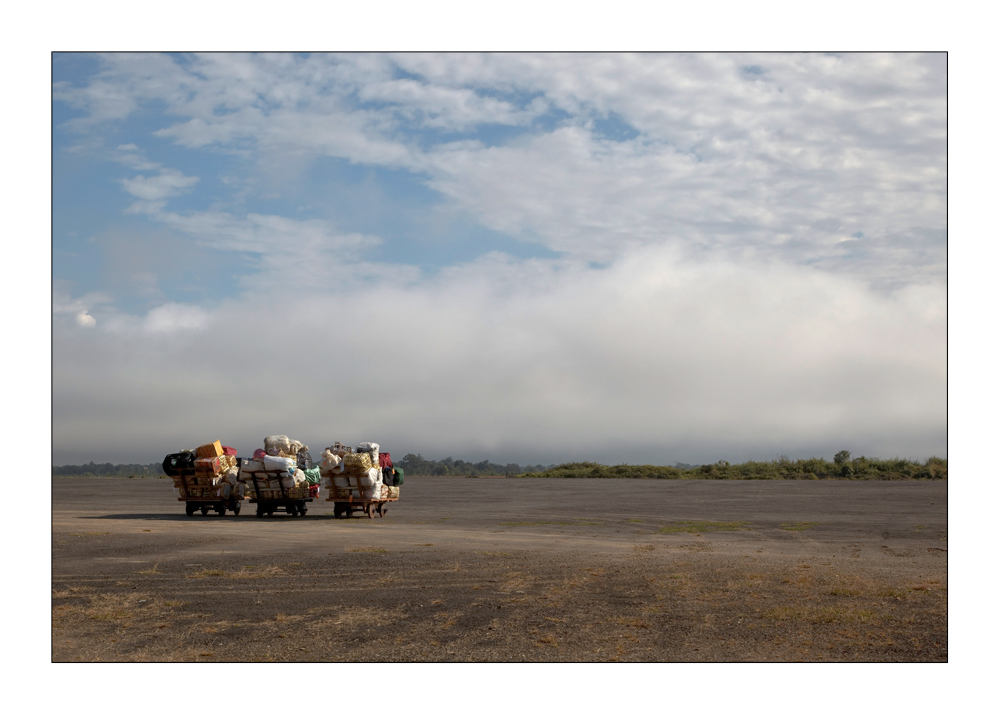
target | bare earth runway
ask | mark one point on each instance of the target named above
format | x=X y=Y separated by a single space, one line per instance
x=509 y=570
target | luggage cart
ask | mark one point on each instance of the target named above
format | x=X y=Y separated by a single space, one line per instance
x=205 y=497
x=292 y=500
x=347 y=500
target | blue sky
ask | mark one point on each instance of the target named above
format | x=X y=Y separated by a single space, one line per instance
x=520 y=257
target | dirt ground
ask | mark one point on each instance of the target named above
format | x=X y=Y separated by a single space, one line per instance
x=502 y=570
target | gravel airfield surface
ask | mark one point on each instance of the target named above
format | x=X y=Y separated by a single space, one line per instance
x=500 y=570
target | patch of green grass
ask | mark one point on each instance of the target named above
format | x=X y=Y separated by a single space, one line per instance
x=698 y=527
x=799 y=525
x=207 y=572
x=919 y=527
x=370 y=550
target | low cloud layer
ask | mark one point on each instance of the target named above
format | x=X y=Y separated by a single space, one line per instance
x=649 y=360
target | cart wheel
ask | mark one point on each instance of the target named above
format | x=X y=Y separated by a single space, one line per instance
x=190 y=509
x=302 y=509
x=204 y=511
x=221 y=510
x=382 y=509
x=236 y=508
x=370 y=511
x=270 y=512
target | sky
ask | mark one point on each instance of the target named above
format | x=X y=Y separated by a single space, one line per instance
x=538 y=258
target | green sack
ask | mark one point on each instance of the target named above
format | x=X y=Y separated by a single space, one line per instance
x=399 y=476
x=312 y=475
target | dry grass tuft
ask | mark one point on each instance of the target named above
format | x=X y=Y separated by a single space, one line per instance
x=698 y=527
x=799 y=525
x=205 y=573
x=256 y=572
x=822 y=614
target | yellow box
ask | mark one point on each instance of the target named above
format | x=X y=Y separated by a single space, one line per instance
x=213 y=449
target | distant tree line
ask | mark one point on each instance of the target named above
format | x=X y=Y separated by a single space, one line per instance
x=154 y=469
x=843 y=466
x=415 y=464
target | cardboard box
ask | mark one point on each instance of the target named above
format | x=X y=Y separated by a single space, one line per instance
x=210 y=450
x=207 y=465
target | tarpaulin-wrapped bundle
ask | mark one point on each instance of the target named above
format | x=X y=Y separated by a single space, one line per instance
x=331 y=463
x=174 y=463
x=274 y=479
x=280 y=445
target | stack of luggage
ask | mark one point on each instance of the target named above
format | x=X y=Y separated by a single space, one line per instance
x=362 y=473
x=209 y=473
x=282 y=470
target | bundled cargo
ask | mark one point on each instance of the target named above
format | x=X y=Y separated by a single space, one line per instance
x=206 y=478
x=280 y=445
x=356 y=479
x=280 y=477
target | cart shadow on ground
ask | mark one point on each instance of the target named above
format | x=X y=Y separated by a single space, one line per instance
x=228 y=518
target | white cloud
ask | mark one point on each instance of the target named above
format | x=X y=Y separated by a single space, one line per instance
x=172 y=317
x=85 y=320
x=166 y=184
x=444 y=107
x=652 y=359
x=788 y=153
x=279 y=241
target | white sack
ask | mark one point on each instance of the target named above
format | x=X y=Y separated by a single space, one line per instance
x=371 y=478
x=285 y=464
x=251 y=465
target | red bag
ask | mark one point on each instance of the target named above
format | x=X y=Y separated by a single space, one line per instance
x=384 y=460
x=231 y=451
